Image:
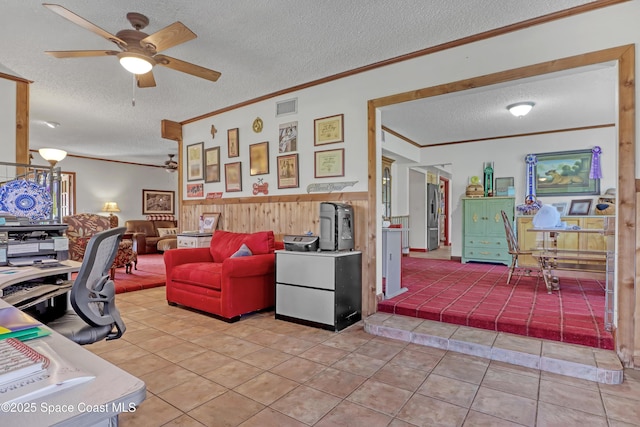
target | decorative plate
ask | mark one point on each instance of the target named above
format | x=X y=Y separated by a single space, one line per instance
x=25 y=198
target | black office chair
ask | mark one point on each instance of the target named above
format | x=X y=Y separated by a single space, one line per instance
x=94 y=316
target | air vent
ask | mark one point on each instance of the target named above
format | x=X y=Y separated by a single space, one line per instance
x=289 y=106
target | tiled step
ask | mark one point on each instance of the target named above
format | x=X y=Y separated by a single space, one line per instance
x=593 y=364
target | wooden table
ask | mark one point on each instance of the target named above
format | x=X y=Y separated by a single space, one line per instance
x=551 y=259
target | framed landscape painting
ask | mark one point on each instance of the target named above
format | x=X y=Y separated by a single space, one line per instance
x=565 y=173
x=157 y=202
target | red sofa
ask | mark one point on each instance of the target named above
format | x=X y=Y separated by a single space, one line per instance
x=211 y=280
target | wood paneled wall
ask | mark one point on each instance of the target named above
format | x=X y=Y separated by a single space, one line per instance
x=285 y=215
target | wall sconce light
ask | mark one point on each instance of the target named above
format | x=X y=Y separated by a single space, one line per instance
x=520 y=109
x=52 y=155
x=111 y=207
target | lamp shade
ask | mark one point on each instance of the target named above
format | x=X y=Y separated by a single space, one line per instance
x=520 y=109
x=52 y=155
x=135 y=63
x=110 y=207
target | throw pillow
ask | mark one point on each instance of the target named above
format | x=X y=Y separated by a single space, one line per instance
x=162 y=232
x=243 y=251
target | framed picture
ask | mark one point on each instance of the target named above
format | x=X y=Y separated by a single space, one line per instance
x=259 y=158
x=502 y=186
x=565 y=173
x=233 y=142
x=195 y=190
x=195 y=162
x=288 y=171
x=212 y=164
x=329 y=163
x=157 y=202
x=328 y=130
x=580 y=207
x=288 y=137
x=560 y=207
x=210 y=221
x=233 y=176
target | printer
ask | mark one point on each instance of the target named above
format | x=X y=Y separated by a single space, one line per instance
x=33 y=243
x=304 y=243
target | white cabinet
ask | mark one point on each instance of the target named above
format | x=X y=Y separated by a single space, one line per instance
x=392 y=261
x=322 y=289
x=194 y=240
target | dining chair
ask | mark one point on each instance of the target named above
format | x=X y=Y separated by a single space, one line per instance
x=514 y=249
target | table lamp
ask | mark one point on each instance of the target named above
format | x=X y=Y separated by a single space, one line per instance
x=111 y=207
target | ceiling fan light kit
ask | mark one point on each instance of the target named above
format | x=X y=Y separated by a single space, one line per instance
x=138 y=50
x=520 y=109
x=171 y=165
x=135 y=63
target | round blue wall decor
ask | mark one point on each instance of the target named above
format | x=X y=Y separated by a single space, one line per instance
x=25 y=198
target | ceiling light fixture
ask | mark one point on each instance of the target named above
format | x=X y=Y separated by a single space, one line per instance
x=52 y=125
x=135 y=63
x=52 y=155
x=520 y=109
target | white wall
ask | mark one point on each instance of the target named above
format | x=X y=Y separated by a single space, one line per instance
x=99 y=181
x=313 y=103
x=508 y=156
x=596 y=30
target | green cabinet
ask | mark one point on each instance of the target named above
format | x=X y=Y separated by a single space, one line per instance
x=483 y=235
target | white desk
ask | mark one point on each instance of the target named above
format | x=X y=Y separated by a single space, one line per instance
x=14 y=275
x=93 y=403
x=40 y=294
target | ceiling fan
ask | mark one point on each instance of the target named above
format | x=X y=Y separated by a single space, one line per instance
x=171 y=165
x=138 y=50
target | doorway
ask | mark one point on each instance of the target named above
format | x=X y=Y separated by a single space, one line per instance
x=625 y=234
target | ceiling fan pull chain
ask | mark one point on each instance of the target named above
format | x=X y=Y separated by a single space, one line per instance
x=133 y=91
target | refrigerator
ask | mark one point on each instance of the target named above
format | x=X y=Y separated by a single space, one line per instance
x=433 y=204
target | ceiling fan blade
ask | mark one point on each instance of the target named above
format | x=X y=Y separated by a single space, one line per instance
x=186 y=67
x=78 y=20
x=170 y=36
x=146 y=80
x=80 y=53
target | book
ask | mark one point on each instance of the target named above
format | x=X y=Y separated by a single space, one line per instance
x=18 y=361
x=13 y=320
x=27 y=334
x=59 y=375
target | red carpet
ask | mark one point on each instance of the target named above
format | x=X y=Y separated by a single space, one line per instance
x=150 y=274
x=477 y=295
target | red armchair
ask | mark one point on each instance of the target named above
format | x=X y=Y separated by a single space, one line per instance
x=212 y=280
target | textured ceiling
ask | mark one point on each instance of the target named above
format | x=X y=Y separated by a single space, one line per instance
x=259 y=46
x=575 y=98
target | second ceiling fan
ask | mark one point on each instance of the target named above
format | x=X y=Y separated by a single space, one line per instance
x=138 y=50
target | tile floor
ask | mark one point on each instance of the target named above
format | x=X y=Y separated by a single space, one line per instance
x=263 y=372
